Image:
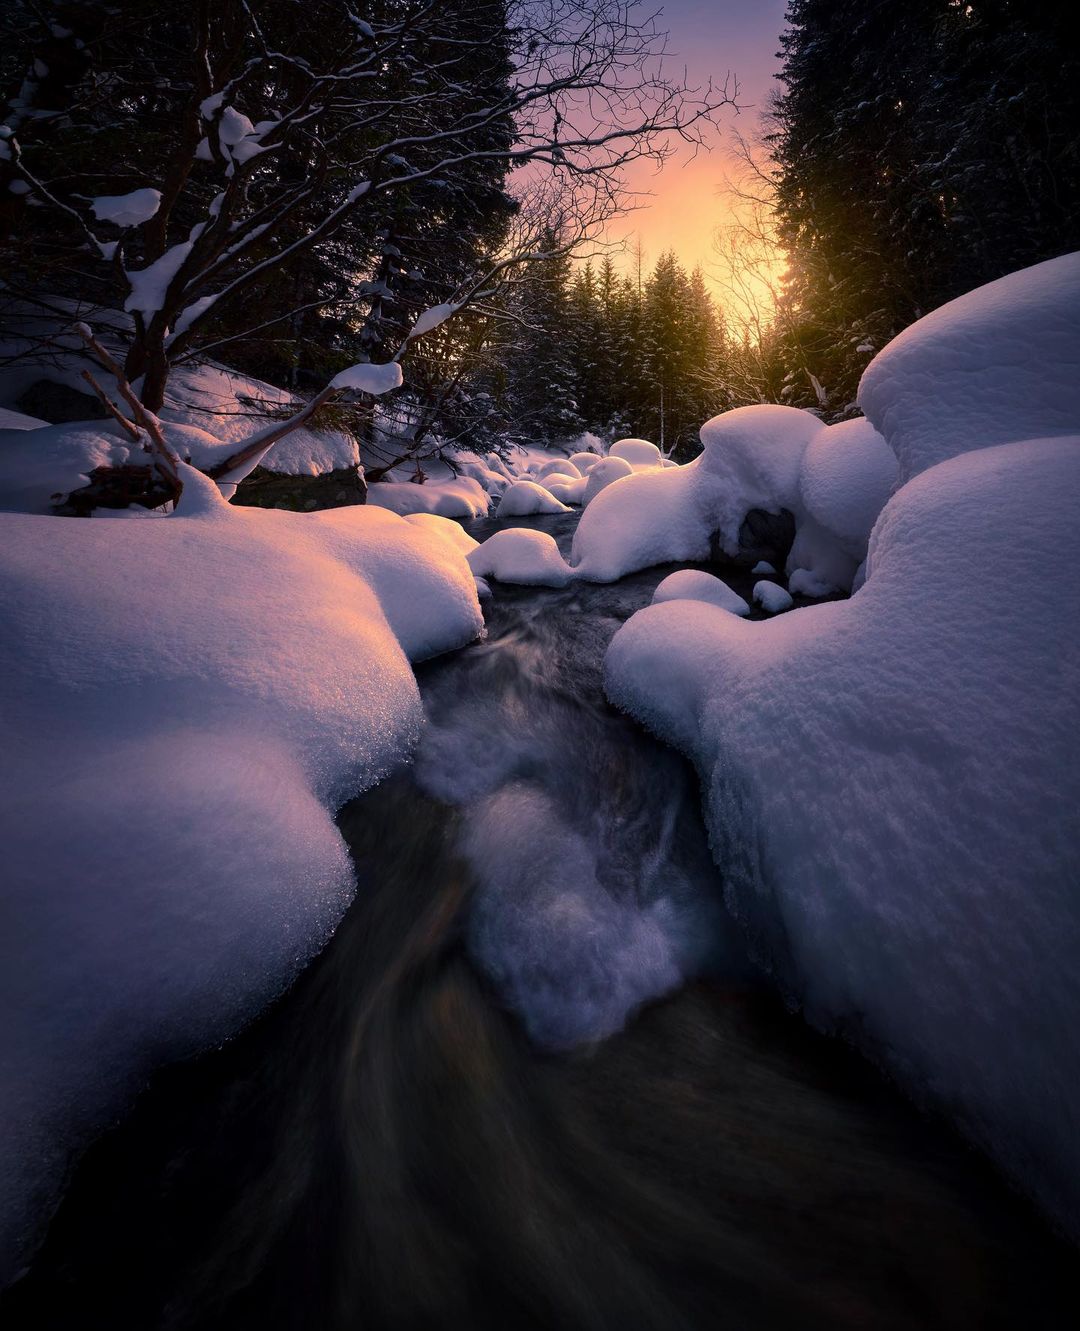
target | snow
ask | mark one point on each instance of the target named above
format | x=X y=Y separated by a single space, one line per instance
x=525 y=498
x=638 y=452
x=567 y=491
x=520 y=555
x=446 y=529
x=819 y=563
x=149 y=284
x=584 y=462
x=892 y=792
x=185 y=701
x=752 y=458
x=431 y=319
x=772 y=597
x=692 y=585
x=848 y=473
x=53 y=460
x=557 y=467
x=18 y=420
x=127 y=209
x=461 y=497
x=763 y=566
x=369 y=378
x=606 y=472
x=998 y=364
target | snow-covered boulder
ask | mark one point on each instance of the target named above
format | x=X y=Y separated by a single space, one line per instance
x=525 y=499
x=520 y=555
x=39 y=468
x=848 y=473
x=606 y=472
x=557 y=467
x=690 y=584
x=446 y=528
x=998 y=364
x=893 y=793
x=567 y=491
x=772 y=598
x=184 y=701
x=584 y=461
x=638 y=452
x=461 y=497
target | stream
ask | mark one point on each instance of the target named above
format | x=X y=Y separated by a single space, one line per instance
x=534 y=1081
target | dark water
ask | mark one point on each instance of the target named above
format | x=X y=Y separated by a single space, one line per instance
x=387 y=1147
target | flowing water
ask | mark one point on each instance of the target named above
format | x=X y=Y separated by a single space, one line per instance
x=445 y=1123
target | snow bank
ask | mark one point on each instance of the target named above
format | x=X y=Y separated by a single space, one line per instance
x=752 y=459
x=603 y=474
x=998 y=364
x=519 y=555
x=893 y=792
x=526 y=498
x=848 y=473
x=184 y=703
x=691 y=585
x=638 y=452
x=462 y=497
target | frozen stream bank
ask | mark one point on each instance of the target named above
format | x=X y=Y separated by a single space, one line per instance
x=386 y=1147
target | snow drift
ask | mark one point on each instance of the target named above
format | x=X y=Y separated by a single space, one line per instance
x=186 y=700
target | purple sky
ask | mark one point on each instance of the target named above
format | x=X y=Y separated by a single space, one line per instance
x=711 y=38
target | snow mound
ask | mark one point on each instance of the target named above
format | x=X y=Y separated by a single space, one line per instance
x=892 y=793
x=183 y=703
x=771 y=597
x=691 y=585
x=446 y=528
x=558 y=467
x=763 y=566
x=751 y=460
x=998 y=364
x=530 y=558
x=40 y=467
x=461 y=497
x=848 y=474
x=638 y=452
x=606 y=472
x=525 y=498
x=567 y=491
x=18 y=420
x=584 y=462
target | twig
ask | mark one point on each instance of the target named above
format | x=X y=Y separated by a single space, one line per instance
x=131 y=430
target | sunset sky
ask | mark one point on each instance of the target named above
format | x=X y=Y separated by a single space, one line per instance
x=711 y=38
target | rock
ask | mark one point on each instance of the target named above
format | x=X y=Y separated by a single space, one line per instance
x=333 y=489
x=766 y=537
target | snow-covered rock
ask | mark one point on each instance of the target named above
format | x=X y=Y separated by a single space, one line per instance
x=638 y=452
x=752 y=460
x=567 y=491
x=692 y=585
x=848 y=473
x=893 y=792
x=526 y=498
x=998 y=364
x=584 y=461
x=557 y=467
x=771 y=597
x=520 y=555
x=461 y=497
x=184 y=701
x=446 y=528
x=606 y=472
x=763 y=567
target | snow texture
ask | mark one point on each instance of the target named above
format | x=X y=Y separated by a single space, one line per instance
x=606 y=472
x=523 y=556
x=127 y=209
x=998 y=364
x=692 y=585
x=525 y=498
x=461 y=497
x=772 y=597
x=185 y=700
x=370 y=378
x=893 y=788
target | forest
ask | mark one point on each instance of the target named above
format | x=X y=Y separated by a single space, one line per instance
x=539 y=665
